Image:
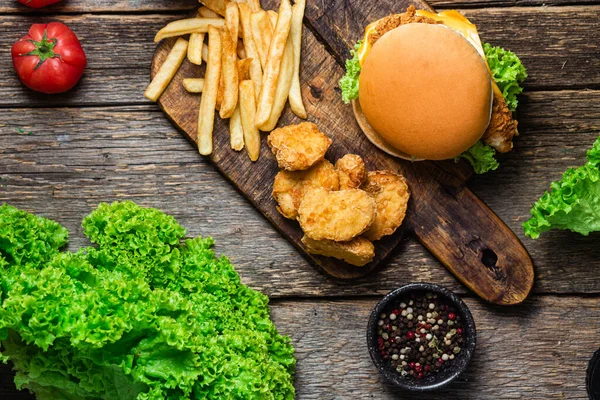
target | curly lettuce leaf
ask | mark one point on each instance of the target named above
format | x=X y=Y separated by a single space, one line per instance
x=481 y=157
x=28 y=240
x=349 y=82
x=143 y=315
x=508 y=72
x=572 y=203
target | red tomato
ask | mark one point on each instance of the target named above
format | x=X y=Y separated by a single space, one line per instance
x=37 y=3
x=49 y=58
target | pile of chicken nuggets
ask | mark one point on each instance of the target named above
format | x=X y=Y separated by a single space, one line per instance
x=341 y=209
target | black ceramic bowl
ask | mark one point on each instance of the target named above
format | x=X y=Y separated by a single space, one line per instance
x=592 y=380
x=443 y=377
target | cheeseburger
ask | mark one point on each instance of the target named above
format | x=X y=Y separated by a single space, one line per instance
x=424 y=87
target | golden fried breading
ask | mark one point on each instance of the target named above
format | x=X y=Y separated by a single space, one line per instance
x=393 y=21
x=502 y=127
x=289 y=186
x=338 y=216
x=298 y=147
x=351 y=171
x=358 y=251
x=391 y=194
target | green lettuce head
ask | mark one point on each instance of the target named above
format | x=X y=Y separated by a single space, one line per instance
x=145 y=314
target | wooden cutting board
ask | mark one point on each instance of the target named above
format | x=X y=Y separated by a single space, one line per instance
x=457 y=227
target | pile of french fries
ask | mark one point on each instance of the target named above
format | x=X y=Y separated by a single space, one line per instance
x=252 y=67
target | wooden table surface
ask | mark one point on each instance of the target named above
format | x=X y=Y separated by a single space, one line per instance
x=61 y=155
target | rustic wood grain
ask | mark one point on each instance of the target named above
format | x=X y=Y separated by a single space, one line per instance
x=58 y=171
x=535 y=351
x=462 y=4
x=102 y=6
x=452 y=222
x=141 y=6
x=556 y=44
x=255 y=179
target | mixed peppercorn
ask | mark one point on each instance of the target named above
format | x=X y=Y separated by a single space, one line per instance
x=420 y=336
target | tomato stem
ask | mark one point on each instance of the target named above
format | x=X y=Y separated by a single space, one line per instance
x=44 y=49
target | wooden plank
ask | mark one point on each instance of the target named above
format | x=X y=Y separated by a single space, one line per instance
x=140 y=6
x=453 y=223
x=536 y=351
x=103 y=6
x=119 y=52
x=59 y=172
x=449 y=4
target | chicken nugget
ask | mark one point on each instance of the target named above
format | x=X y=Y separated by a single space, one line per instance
x=391 y=194
x=289 y=186
x=351 y=170
x=358 y=251
x=298 y=147
x=339 y=216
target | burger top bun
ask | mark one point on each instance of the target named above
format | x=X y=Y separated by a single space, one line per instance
x=426 y=91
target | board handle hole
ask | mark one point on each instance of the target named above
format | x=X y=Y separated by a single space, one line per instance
x=489 y=258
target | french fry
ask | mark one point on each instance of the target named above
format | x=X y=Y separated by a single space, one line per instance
x=194 y=52
x=188 y=25
x=248 y=114
x=236 y=131
x=253 y=4
x=262 y=33
x=240 y=50
x=232 y=20
x=283 y=87
x=193 y=85
x=206 y=114
x=220 y=89
x=244 y=69
x=204 y=53
x=273 y=67
x=272 y=17
x=218 y=6
x=206 y=12
x=229 y=73
x=167 y=70
x=296 y=103
x=250 y=46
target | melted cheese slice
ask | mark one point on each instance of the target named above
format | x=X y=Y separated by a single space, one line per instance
x=452 y=19
x=459 y=23
x=365 y=48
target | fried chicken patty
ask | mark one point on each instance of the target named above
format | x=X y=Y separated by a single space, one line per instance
x=393 y=21
x=502 y=127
